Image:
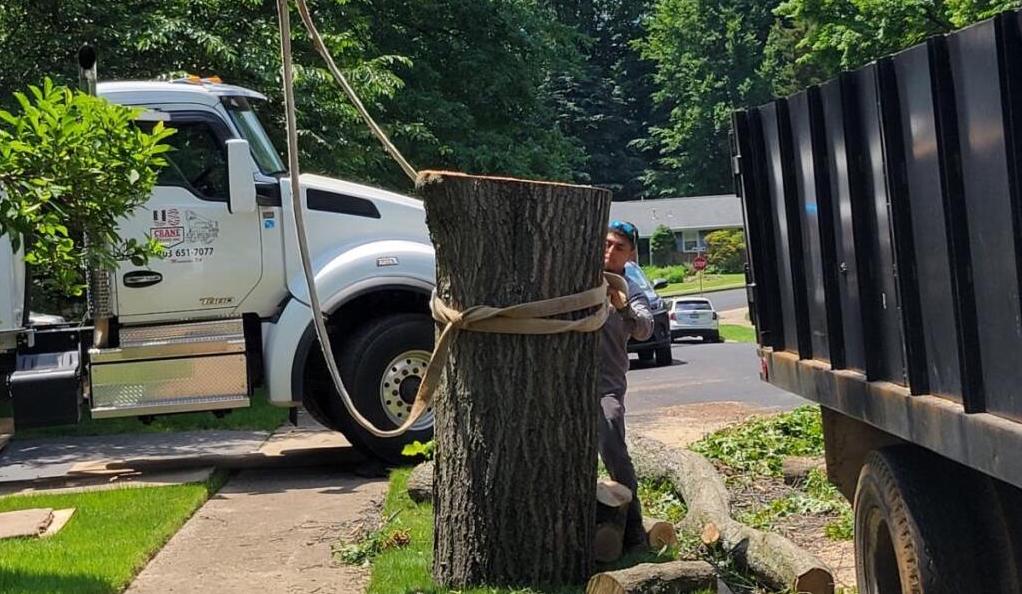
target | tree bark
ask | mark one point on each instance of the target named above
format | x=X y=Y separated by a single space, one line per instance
x=673 y=577
x=515 y=415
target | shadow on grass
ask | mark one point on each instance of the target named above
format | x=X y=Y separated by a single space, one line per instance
x=22 y=582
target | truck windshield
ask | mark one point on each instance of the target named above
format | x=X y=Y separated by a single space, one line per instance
x=263 y=151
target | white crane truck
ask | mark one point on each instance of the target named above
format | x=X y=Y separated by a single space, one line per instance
x=226 y=309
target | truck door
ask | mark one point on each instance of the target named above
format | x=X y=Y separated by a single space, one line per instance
x=212 y=257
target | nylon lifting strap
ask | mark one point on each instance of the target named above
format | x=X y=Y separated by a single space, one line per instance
x=526 y=318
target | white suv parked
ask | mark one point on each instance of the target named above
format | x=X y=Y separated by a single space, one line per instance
x=694 y=316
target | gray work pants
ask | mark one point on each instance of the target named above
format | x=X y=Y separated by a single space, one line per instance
x=614 y=453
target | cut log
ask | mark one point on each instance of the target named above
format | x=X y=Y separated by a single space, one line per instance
x=796 y=469
x=612 y=500
x=773 y=559
x=674 y=577
x=660 y=533
x=612 y=493
x=420 y=483
x=710 y=535
x=608 y=542
x=515 y=414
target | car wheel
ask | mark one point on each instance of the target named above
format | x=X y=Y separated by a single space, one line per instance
x=663 y=356
x=715 y=337
x=646 y=355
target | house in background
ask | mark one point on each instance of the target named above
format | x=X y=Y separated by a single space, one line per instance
x=690 y=219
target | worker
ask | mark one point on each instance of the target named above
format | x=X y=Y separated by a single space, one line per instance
x=630 y=317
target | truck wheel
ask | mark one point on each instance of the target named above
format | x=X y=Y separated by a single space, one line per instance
x=663 y=356
x=382 y=364
x=912 y=533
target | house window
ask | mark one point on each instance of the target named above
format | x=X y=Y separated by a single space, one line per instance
x=692 y=241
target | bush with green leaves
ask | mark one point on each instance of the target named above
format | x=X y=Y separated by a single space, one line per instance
x=672 y=274
x=71 y=167
x=726 y=250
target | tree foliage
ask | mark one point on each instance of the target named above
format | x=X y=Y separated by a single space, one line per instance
x=662 y=244
x=605 y=97
x=457 y=84
x=707 y=54
x=726 y=250
x=71 y=165
x=715 y=55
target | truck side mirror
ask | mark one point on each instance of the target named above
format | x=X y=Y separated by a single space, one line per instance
x=239 y=177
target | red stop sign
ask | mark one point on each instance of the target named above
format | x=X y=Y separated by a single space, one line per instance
x=699 y=263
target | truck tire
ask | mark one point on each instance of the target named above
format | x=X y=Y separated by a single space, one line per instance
x=382 y=363
x=913 y=533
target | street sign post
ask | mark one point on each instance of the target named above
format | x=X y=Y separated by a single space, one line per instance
x=700 y=265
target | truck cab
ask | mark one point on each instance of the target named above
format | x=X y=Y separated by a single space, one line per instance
x=225 y=309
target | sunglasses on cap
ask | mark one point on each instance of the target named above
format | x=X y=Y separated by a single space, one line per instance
x=627 y=229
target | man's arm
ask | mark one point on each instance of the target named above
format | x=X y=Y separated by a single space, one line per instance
x=637 y=316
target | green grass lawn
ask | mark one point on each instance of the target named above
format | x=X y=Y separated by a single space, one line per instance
x=260 y=416
x=107 y=542
x=407 y=569
x=738 y=333
x=715 y=282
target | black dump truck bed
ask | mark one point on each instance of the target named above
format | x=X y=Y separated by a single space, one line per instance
x=884 y=220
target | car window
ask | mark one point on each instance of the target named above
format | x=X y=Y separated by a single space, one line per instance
x=693 y=306
x=196 y=161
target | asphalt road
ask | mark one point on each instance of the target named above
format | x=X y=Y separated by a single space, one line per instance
x=727 y=372
x=725 y=300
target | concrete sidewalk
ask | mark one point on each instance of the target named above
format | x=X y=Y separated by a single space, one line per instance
x=268 y=531
x=78 y=462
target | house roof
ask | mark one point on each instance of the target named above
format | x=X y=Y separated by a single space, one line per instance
x=696 y=212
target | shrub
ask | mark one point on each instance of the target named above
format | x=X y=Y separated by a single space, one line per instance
x=72 y=166
x=726 y=250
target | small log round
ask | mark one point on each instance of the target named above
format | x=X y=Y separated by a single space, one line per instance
x=674 y=577
x=660 y=533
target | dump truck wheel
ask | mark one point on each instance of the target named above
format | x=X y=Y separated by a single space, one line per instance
x=911 y=526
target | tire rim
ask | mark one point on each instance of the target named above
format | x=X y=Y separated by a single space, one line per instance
x=399 y=385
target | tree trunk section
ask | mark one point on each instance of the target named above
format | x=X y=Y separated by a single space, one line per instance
x=515 y=455
x=674 y=577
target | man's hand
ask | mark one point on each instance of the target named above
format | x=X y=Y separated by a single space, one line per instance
x=617 y=298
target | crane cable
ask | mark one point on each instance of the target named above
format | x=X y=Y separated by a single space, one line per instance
x=303 y=243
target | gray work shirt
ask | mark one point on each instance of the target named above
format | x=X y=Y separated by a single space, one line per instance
x=635 y=321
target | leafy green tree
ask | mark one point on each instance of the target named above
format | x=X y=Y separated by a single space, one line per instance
x=726 y=250
x=708 y=54
x=844 y=34
x=477 y=84
x=234 y=39
x=71 y=165
x=605 y=101
x=662 y=245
